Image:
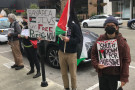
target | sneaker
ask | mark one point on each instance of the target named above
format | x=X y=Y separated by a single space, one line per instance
x=37 y=75
x=14 y=66
x=30 y=72
x=19 y=67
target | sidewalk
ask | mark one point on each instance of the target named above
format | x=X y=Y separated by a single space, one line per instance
x=124 y=22
x=10 y=79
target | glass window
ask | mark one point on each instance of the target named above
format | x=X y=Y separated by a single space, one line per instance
x=121 y=9
x=4 y=24
x=133 y=8
x=126 y=9
x=94 y=17
x=102 y=17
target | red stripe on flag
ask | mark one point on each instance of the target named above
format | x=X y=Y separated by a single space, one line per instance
x=63 y=19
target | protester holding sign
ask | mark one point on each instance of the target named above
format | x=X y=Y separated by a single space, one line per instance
x=111 y=57
x=14 y=42
x=30 y=47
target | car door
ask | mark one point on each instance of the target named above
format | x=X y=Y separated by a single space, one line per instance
x=93 y=21
x=101 y=21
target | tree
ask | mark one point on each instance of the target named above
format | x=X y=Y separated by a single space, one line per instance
x=33 y=6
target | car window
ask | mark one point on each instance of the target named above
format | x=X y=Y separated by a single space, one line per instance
x=94 y=17
x=102 y=17
x=4 y=23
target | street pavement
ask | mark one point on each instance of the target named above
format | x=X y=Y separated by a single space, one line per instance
x=11 y=79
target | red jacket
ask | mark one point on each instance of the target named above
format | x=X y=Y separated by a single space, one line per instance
x=124 y=55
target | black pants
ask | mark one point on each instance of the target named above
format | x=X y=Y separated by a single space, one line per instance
x=31 y=54
x=108 y=82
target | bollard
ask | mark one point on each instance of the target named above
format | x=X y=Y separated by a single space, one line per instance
x=42 y=51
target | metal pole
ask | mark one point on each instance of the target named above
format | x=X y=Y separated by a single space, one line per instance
x=131 y=9
x=42 y=51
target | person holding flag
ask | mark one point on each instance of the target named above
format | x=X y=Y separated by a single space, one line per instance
x=70 y=34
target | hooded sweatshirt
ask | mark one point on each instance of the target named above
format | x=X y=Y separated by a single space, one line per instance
x=124 y=55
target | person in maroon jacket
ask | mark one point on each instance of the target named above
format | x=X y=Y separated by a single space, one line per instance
x=110 y=75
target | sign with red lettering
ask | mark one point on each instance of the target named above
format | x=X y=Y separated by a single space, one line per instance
x=41 y=23
x=108 y=52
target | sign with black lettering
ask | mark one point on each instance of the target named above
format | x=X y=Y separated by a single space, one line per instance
x=108 y=52
x=41 y=23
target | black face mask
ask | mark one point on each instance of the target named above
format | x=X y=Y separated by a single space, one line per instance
x=110 y=30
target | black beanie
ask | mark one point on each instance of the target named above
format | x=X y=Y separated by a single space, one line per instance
x=111 y=19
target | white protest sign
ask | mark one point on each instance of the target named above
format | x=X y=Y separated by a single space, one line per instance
x=108 y=52
x=25 y=32
x=41 y=23
x=10 y=30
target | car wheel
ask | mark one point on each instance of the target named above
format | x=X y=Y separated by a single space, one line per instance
x=85 y=25
x=133 y=25
x=52 y=57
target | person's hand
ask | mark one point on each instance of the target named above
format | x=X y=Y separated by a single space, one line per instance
x=19 y=36
x=122 y=84
x=101 y=66
x=26 y=37
x=66 y=39
x=9 y=34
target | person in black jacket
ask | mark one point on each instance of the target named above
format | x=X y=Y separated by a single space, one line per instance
x=30 y=51
x=13 y=40
x=68 y=54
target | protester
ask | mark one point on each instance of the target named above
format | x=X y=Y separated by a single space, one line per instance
x=14 y=42
x=68 y=59
x=30 y=50
x=110 y=75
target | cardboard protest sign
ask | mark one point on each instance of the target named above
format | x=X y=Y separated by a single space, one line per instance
x=25 y=32
x=108 y=52
x=41 y=23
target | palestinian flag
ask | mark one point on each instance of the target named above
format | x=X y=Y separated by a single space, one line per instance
x=62 y=24
x=32 y=19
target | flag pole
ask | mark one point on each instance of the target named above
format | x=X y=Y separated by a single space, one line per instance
x=67 y=23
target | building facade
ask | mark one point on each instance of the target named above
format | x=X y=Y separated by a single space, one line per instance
x=122 y=8
x=16 y=4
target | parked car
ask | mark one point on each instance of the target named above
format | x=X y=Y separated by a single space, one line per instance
x=4 y=25
x=52 y=48
x=97 y=21
x=131 y=24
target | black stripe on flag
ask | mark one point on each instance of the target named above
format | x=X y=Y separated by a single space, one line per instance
x=32 y=19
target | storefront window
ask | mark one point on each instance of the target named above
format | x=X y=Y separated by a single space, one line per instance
x=126 y=9
x=133 y=8
x=121 y=9
x=117 y=8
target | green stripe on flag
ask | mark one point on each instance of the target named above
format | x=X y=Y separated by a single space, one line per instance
x=59 y=31
x=79 y=60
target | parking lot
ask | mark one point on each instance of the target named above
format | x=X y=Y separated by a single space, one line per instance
x=87 y=78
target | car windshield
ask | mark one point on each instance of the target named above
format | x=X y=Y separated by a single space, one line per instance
x=4 y=23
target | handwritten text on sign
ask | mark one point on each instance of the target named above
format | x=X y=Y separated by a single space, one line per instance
x=42 y=23
x=108 y=52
